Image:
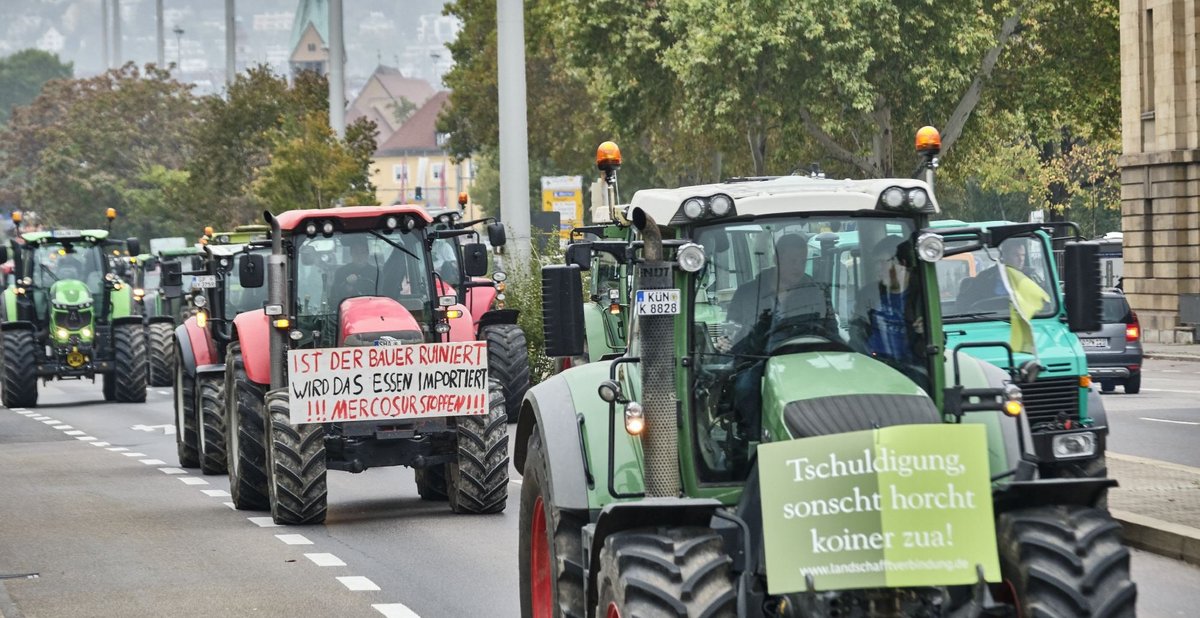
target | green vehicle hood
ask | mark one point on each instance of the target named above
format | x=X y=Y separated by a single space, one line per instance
x=1058 y=348
x=70 y=292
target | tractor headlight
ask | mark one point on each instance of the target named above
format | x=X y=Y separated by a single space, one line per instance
x=918 y=198
x=1071 y=445
x=721 y=205
x=61 y=334
x=311 y=228
x=693 y=208
x=499 y=276
x=390 y=223
x=85 y=333
x=200 y=301
x=691 y=257
x=327 y=228
x=931 y=247
x=893 y=197
x=27 y=282
x=635 y=420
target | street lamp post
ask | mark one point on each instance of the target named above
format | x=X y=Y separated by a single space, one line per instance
x=178 y=48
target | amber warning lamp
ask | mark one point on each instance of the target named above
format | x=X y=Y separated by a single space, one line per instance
x=16 y=216
x=208 y=230
x=929 y=141
x=463 y=198
x=608 y=157
x=111 y=213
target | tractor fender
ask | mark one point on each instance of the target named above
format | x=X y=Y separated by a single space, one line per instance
x=183 y=343
x=1095 y=409
x=10 y=304
x=16 y=325
x=217 y=369
x=479 y=299
x=203 y=350
x=1051 y=492
x=462 y=327
x=156 y=319
x=549 y=408
x=252 y=330
x=498 y=316
x=128 y=319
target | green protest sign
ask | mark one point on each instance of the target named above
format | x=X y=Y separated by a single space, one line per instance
x=901 y=506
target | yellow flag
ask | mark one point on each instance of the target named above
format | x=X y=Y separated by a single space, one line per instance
x=1028 y=298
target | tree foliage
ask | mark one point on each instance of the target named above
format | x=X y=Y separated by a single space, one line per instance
x=310 y=168
x=22 y=75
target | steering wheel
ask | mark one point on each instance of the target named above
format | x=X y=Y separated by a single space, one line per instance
x=806 y=331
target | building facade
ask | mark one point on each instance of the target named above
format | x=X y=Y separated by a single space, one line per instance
x=1160 y=165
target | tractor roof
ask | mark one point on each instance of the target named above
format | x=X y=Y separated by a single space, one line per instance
x=290 y=220
x=54 y=236
x=774 y=196
x=184 y=252
x=232 y=249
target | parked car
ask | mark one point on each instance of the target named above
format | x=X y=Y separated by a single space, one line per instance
x=1114 y=353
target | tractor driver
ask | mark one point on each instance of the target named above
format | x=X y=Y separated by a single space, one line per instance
x=68 y=268
x=358 y=276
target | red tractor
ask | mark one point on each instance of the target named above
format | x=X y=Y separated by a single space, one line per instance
x=341 y=280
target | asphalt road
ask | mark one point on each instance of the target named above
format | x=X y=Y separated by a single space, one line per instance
x=1163 y=420
x=97 y=520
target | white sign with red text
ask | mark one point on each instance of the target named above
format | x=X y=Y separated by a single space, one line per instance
x=342 y=385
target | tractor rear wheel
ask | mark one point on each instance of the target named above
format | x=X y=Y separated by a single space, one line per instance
x=212 y=426
x=550 y=548
x=20 y=369
x=508 y=363
x=296 y=466
x=478 y=481
x=129 y=363
x=160 y=337
x=1061 y=561
x=108 y=386
x=431 y=482
x=682 y=572
x=186 y=437
x=245 y=436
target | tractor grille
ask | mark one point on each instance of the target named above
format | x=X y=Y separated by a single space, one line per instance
x=73 y=319
x=1045 y=398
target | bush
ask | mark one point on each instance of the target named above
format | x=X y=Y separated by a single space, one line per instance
x=524 y=293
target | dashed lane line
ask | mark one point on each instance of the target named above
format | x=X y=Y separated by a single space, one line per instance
x=358 y=583
x=294 y=539
x=74 y=432
x=164 y=392
x=52 y=421
x=395 y=610
x=191 y=480
x=263 y=522
x=1167 y=420
x=152 y=462
x=325 y=560
x=231 y=505
x=132 y=454
x=118 y=449
x=215 y=493
x=40 y=418
x=85 y=438
x=100 y=444
x=1169 y=390
x=172 y=470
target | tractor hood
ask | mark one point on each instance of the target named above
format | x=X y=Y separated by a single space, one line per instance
x=365 y=320
x=1058 y=348
x=817 y=393
x=70 y=293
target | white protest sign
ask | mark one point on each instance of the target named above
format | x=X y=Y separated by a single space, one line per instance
x=339 y=385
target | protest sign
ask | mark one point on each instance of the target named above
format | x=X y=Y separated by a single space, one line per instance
x=909 y=505
x=339 y=385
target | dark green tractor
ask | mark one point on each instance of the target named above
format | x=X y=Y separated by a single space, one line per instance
x=69 y=315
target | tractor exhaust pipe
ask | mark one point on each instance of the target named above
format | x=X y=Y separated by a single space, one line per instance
x=660 y=441
x=277 y=296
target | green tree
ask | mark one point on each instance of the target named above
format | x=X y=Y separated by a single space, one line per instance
x=22 y=76
x=310 y=168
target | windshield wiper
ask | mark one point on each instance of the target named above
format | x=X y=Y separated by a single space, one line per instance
x=962 y=317
x=394 y=244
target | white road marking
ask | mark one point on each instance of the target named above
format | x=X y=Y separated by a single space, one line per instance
x=1167 y=390
x=164 y=392
x=40 y=418
x=293 y=539
x=1170 y=371
x=395 y=610
x=215 y=493
x=19 y=409
x=74 y=432
x=263 y=522
x=100 y=444
x=325 y=560
x=168 y=430
x=171 y=470
x=514 y=481
x=24 y=412
x=152 y=462
x=1167 y=420
x=85 y=438
x=191 y=480
x=131 y=454
x=54 y=421
x=117 y=449
x=231 y=506
x=357 y=583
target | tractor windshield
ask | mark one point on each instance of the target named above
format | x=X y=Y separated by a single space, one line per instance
x=973 y=289
x=54 y=262
x=792 y=285
x=239 y=299
x=345 y=265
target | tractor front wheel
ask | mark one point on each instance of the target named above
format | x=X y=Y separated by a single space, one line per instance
x=1061 y=561
x=212 y=426
x=186 y=438
x=550 y=548
x=478 y=480
x=508 y=363
x=245 y=436
x=681 y=572
x=129 y=363
x=431 y=482
x=20 y=369
x=160 y=337
x=296 y=466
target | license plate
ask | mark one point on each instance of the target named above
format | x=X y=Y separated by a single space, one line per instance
x=1094 y=344
x=205 y=281
x=657 y=302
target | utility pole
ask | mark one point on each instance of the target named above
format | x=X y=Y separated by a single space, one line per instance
x=104 y=34
x=158 y=30
x=230 y=44
x=116 y=30
x=337 y=64
x=514 y=137
x=178 y=48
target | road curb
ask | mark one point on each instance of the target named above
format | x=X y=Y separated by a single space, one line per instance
x=1160 y=537
x=1183 y=358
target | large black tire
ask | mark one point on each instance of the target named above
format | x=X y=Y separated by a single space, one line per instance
x=1065 y=561
x=108 y=386
x=1133 y=385
x=129 y=362
x=478 y=481
x=160 y=338
x=431 y=483
x=187 y=439
x=1094 y=468
x=20 y=369
x=212 y=425
x=296 y=463
x=245 y=436
x=682 y=572
x=550 y=548
x=508 y=363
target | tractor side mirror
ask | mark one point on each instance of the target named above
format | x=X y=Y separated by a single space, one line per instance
x=171 y=276
x=251 y=273
x=580 y=254
x=496 y=235
x=150 y=263
x=1082 y=294
x=475 y=259
x=562 y=313
x=133 y=245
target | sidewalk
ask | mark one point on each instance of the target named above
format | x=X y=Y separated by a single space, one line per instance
x=1158 y=504
x=1172 y=351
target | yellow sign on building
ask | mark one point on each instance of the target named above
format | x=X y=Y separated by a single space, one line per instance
x=564 y=195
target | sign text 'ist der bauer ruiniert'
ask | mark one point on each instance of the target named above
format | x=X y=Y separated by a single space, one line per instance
x=384 y=382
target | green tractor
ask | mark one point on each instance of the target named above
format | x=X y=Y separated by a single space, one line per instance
x=69 y=315
x=762 y=413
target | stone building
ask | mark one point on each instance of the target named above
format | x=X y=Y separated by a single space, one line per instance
x=1160 y=165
